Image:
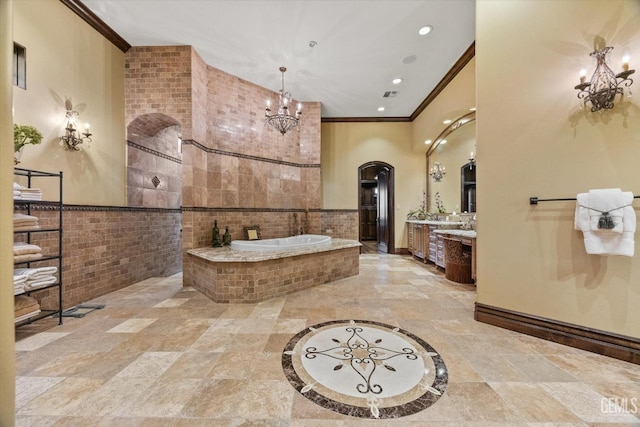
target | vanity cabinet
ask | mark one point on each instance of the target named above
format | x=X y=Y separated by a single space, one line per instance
x=433 y=244
x=440 y=256
x=419 y=239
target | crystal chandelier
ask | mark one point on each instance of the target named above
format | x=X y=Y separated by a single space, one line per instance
x=437 y=172
x=72 y=137
x=283 y=120
x=604 y=84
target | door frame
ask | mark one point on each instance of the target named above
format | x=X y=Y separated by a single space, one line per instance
x=391 y=245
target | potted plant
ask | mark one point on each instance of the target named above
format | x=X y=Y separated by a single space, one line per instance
x=23 y=135
x=421 y=211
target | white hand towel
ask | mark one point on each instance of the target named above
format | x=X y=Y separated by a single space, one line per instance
x=609 y=200
x=618 y=241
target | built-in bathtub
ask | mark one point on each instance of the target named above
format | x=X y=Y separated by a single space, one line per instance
x=282 y=243
x=252 y=274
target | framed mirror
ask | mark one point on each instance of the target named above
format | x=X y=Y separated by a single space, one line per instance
x=455 y=150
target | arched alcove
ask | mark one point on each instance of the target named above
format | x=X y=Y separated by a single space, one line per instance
x=154 y=162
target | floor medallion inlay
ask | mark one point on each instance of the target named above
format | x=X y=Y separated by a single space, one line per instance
x=365 y=369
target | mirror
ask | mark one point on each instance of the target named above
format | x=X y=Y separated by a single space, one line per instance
x=455 y=149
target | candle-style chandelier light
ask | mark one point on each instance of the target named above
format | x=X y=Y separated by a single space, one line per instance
x=604 y=84
x=72 y=136
x=437 y=172
x=283 y=121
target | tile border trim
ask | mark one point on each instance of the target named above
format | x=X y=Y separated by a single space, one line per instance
x=54 y=206
x=596 y=341
x=153 y=152
x=246 y=156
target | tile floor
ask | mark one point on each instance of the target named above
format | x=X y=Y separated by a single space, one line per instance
x=159 y=354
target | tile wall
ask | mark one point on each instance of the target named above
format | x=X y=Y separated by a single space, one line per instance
x=106 y=249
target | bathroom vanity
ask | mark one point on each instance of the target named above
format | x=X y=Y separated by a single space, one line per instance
x=423 y=241
x=428 y=240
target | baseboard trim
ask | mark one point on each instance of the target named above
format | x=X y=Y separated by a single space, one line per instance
x=596 y=341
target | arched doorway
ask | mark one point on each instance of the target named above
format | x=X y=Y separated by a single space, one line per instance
x=375 y=205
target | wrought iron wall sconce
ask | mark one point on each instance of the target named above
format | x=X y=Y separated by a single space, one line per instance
x=73 y=137
x=437 y=172
x=604 y=84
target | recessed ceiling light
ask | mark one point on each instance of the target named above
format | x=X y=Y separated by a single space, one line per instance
x=425 y=30
x=472 y=109
x=444 y=141
x=427 y=142
x=446 y=122
x=396 y=81
x=380 y=108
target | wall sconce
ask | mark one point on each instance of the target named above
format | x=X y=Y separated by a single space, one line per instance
x=472 y=159
x=72 y=137
x=604 y=83
x=437 y=172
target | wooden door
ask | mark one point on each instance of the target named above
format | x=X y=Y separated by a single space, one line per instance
x=383 y=210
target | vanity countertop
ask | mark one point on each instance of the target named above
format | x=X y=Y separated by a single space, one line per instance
x=430 y=222
x=461 y=233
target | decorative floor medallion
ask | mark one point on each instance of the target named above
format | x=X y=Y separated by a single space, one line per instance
x=364 y=369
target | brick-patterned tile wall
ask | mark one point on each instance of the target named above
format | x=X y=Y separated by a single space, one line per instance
x=236 y=121
x=198 y=225
x=340 y=224
x=158 y=80
x=108 y=249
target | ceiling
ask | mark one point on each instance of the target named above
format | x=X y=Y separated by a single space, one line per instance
x=360 y=46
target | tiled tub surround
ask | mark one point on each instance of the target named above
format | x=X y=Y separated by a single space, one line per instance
x=108 y=248
x=228 y=276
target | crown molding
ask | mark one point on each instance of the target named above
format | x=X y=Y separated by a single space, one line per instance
x=96 y=23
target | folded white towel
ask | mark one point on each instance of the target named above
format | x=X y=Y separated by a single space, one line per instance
x=35 y=273
x=22 y=219
x=26 y=258
x=609 y=200
x=17 y=186
x=601 y=241
x=19 y=279
x=26 y=227
x=25 y=196
x=40 y=283
x=23 y=248
x=26 y=316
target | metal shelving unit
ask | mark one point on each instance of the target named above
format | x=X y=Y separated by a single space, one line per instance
x=27 y=205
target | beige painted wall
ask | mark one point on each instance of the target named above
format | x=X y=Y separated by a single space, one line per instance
x=347 y=146
x=7 y=328
x=453 y=102
x=535 y=140
x=66 y=58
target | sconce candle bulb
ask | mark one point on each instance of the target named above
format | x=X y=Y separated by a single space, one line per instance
x=583 y=75
x=625 y=63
